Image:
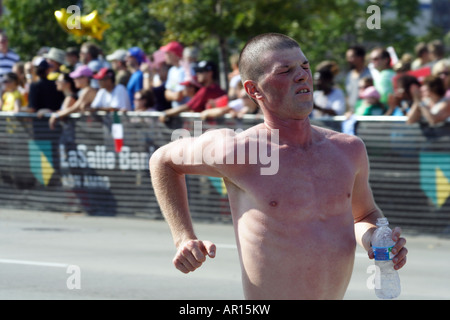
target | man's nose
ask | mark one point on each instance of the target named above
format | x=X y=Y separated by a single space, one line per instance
x=302 y=75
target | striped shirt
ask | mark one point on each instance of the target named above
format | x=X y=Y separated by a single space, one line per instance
x=7 y=61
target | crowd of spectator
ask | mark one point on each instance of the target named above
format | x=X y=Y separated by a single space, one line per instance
x=173 y=80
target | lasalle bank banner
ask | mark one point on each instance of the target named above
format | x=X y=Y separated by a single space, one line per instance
x=78 y=167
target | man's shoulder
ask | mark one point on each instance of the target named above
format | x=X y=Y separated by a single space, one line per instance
x=342 y=140
x=120 y=89
x=232 y=137
x=11 y=55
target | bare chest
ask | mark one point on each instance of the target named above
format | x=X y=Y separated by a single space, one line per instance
x=305 y=183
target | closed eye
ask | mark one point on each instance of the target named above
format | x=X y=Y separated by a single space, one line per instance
x=305 y=65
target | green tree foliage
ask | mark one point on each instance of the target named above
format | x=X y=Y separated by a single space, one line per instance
x=131 y=24
x=31 y=25
x=324 y=28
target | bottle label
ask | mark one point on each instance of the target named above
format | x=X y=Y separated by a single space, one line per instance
x=383 y=253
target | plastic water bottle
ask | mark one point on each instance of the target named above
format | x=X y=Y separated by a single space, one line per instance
x=387 y=281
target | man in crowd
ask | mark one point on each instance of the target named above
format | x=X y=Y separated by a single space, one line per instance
x=355 y=56
x=383 y=78
x=177 y=74
x=7 y=57
x=110 y=97
x=206 y=74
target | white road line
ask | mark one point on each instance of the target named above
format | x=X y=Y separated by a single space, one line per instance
x=35 y=263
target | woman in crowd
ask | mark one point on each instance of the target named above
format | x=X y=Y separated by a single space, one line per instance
x=401 y=100
x=144 y=100
x=86 y=94
x=430 y=102
x=66 y=85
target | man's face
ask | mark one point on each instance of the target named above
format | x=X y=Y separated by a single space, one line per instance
x=286 y=87
x=104 y=83
x=131 y=61
x=3 y=43
x=203 y=76
x=378 y=62
x=171 y=58
x=352 y=59
x=85 y=57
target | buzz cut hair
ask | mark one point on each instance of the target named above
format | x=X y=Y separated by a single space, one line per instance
x=250 y=67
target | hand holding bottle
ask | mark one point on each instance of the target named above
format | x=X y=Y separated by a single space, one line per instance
x=399 y=249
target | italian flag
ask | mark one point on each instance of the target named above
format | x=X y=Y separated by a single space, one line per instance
x=117 y=132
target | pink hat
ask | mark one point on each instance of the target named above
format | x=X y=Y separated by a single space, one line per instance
x=158 y=58
x=174 y=47
x=370 y=92
x=81 y=71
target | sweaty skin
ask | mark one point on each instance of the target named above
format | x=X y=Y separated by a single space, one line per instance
x=296 y=230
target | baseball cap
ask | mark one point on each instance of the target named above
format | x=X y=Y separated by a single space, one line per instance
x=204 y=65
x=137 y=53
x=174 y=47
x=191 y=81
x=81 y=71
x=119 y=54
x=104 y=73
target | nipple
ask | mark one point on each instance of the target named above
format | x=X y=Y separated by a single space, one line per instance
x=273 y=204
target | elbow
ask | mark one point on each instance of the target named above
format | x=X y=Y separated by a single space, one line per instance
x=160 y=160
x=155 y=160
x=411 y=119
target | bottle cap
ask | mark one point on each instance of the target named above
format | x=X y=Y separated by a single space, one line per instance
x=382 y=222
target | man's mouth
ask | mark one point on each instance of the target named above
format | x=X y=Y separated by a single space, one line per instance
x=303 y=91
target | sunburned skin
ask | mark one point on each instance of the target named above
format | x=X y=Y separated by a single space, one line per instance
x=295 y=230
x=296 y=226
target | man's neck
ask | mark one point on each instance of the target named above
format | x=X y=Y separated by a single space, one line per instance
x=292 y=132
x=359 y=69
x=110 y=88
x=207 y=83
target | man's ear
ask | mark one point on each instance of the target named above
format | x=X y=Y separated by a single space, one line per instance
x=252 y=90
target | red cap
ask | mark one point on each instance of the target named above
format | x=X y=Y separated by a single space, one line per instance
x=104 y=73
x=191 y=81
x=174 y=47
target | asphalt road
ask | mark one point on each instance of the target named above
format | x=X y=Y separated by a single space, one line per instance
x=57 y=256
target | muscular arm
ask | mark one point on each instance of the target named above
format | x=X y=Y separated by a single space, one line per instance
x=366 y=212
x=168 y=167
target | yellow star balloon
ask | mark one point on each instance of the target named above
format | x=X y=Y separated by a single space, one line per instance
x=89 y=25
x=63 y=19
x=94 y=25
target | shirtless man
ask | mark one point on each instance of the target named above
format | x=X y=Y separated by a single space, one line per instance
x=296 y=230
